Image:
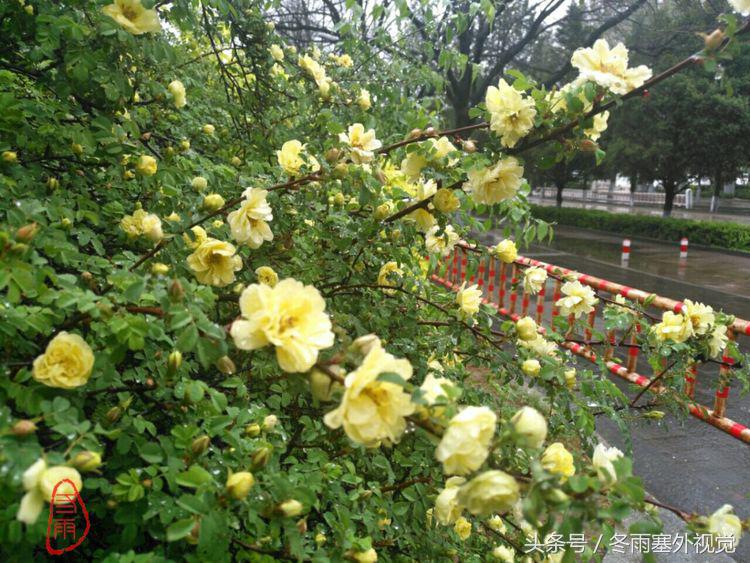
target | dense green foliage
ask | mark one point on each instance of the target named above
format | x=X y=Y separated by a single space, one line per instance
x=734 y=236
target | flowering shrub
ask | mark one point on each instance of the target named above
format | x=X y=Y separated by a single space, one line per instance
x=265 y=370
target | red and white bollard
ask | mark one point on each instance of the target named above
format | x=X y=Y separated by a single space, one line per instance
x=625 y=251
x=683 y=247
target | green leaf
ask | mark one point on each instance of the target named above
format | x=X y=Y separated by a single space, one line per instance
x=194 y=477
x=179 y=529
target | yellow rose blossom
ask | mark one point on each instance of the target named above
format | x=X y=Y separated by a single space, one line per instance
x=177 y=89
x=700 y=316
x=433 y=388
x=290 y=160
x=725 y=524
x=39 y=482
x=718 y=341
x=372 y=411
x=146 y=165
x=278 y=71
x=447 y=510
x=462 y=527
x=539 y=345
x=363 y=100
x=531 y=367
x=609 y=67
x=578 y=299
x=504 y=554
x=133 y=17
x=389 y=273
x=506 y=251
x=53 y=476
x=290 y=316
x=276 y=52
x=441 y=244
x=602 y=462
x=445 y=201
x=412 y=165
x=363 y=143
x=598 y=127
x=526 y=328
x=495 y=184
x=511 y=113
x=468 y=300
x=66 y=363
x=249 y=223
x=141 y=223
x=674 y=327
x=369 y=556
x=742 y=6
x=496 y=523
x=424 y=219
x=213 y=261
x=534 y=279
x=10 y=157
x=208 y=129
x=530 y=424
x=199 y=183
x=441 y=148
x=465 y=442
x=212 y=202
x=267 y=276
x=239 y=484
x=557 y=459
x=570 y=378
x=491 y=491
x=344 y=60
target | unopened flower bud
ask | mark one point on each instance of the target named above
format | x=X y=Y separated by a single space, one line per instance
x=10 y=157
x=430 y=132
x=113 y=414
x=587 y=145
x=53 y=183
x=208 y=129
x=713 y=40
x=77 y=148
x=66 y=223
x=414 y=133
x=111 y=504
x=339 y=199
x=364 y=344
x=194 y=535
x=262 y=456
x=570 y=378
x=87 y=461
x=270 y=422
x=236 y=161
x=23 y=428
x=199 y=183
x=291 y=508
x=239 y=484
x=176 y=292
x=225 y=365
x=146 y=137
x=302 y=525
x=556 y=496
x=212 y=202
x=332 y=155
x=200 y=445
x=184 y=145
x=27 y=232
x=654 y=415
x=469 y=146
x=252 y=430
x=526 y=328
x=159 y=269
x=382 y=211
x=320 y=539
x=174 y=361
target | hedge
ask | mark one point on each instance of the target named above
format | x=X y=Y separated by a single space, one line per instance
x=709 y=233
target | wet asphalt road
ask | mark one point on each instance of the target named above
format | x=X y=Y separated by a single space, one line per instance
x=684 y=463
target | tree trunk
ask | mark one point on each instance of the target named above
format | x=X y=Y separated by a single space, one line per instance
x=559 y=196
x=718 y=184
x=670 y=189
x=560 y=176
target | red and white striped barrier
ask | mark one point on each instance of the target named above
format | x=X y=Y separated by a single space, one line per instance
x=683 y=247
x=625 y=250
x=492 y=278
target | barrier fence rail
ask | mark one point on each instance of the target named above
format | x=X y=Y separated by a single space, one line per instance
x=499 y=284
x=624 y=198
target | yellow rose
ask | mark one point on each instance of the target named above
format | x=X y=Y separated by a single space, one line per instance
x=540 y=346
x=177 y=89
x=531 y=367
x=291 y=508
x=10 y=157
x=199 y=183
x=390 y=274
x=424 y=219
x=700 y=316
x=39 y=482
x=511 y=113
x=530 y=424
x=239 y=484
x=462 y=527
x=557 y=459
x=159 y=269
x=133 y=17
x=208 y=129
x=506 y=251
x=469 y=299
x=609 y=67
x=465 y=443
x=54 y=476
x=534 y=279
x=433 y=388
x=598 y=126
x=369 y=556
x=441 y=244
x=445 y=201
x=276 y=52
x=673 y=327
x=249 y=223
x=363 y=100
x=742 y=6
x=447 y=510
x=372 y=411
x=724 y=524
x=526 y=328
x=146 y=165
x=267 y=276
x=363 y=143
x=289 y=157
x=291 y=316
x=570 y=378
x=495 y=184
x=504 y=554
x=212 y=202
x=322 y=387
x=602 y=462
x=491 y=491
x=66 y=363
x=345 y=61
x=496 y=523
x=718 y=341
x=578 y=299
x=213 y=261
